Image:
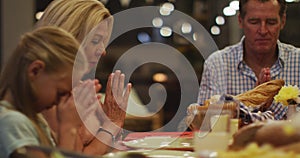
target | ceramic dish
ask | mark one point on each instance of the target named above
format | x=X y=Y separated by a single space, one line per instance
x=161 y=142
x=152 y=154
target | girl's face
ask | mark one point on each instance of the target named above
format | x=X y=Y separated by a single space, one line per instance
x=50 y=87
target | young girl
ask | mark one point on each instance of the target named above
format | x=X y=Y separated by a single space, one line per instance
x=37 y=76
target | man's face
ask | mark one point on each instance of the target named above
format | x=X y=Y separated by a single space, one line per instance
x=261 y=25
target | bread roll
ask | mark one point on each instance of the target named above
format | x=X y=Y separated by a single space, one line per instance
x=262 y=94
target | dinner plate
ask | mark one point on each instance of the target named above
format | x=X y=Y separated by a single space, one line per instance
x=161 y=142
x=152 y=154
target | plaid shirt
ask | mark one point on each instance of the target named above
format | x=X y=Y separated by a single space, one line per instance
x=225 y=72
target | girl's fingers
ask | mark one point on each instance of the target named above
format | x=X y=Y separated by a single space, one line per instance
x=63 y=99
x=85 y=93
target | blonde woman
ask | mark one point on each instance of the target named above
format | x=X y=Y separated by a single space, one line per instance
x=36 y=77
x=91 y=23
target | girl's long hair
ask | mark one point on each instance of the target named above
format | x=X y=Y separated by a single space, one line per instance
x=56 y=48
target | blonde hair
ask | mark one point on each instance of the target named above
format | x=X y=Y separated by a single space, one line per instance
x=78 y=17
x=52 y=45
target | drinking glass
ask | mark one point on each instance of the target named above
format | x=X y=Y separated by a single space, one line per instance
x=219 y=123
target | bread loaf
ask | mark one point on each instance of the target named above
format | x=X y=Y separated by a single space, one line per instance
x=262 y=94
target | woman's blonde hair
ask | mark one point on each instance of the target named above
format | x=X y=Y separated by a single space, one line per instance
x=52 y=45
x=78 y=17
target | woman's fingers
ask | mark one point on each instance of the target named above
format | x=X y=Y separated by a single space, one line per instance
x=126 y=96
x=121 y=85
x=99 y=96
x=108 y=90
x=115 y=103
x=115 y=84
x=118 y=86
x=98 y=86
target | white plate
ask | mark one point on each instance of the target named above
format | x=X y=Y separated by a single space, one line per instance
x=161 y=142
x=152 y=154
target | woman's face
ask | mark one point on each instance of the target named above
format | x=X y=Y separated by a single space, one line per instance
x=96 y=43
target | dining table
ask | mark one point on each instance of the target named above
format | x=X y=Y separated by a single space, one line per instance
x=155 y=144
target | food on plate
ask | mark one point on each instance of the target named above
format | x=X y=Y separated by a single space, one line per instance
x=245 y=135
x=278 y=134
x=294 y=147
x=252 y=150
x=261 y=94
